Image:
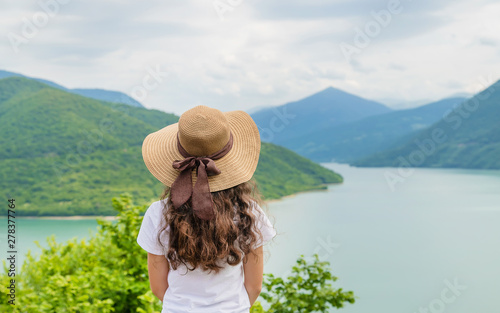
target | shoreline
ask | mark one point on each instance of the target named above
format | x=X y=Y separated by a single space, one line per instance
x=73 y=217
x=324 y=189
x=112 y=218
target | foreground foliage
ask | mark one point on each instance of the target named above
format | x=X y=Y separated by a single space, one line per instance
x=108 y=273
x=308 y=289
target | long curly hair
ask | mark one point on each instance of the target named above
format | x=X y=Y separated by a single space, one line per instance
x=229 y=237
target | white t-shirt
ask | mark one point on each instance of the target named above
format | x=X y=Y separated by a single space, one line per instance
x=198 y=291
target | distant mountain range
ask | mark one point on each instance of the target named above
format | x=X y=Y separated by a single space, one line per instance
x=312 y=115
x=466 y=137
x=98 y=94
x=333 y=125
x=65 y=154
x=354 y=140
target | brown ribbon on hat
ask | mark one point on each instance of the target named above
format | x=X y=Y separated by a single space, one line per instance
x=182 y=188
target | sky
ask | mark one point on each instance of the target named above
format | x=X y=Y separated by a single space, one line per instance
x=246 y=54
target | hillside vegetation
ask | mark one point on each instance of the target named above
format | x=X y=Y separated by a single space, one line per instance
x=467 y=137
x=64 y=154
x=351 y=141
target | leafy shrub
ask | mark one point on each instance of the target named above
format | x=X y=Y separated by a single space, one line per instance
x=108 y=273
x=308 y=289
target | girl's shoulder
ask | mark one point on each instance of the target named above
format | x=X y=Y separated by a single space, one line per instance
x=155 y=212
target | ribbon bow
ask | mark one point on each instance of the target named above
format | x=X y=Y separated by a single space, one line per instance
x=182 y=188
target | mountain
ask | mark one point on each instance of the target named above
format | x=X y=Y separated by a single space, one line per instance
x=327 y=108
x=282 y=172
x=398 y=104
x=98 y=94
x=107 y=95
x=38 y=120
x=466 y=137
x=363 y=137
x=65 y=154
x=257 y=109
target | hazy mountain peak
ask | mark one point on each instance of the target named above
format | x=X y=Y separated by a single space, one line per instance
x=315 y=112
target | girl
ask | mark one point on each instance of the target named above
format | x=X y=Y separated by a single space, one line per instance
x=204 y=237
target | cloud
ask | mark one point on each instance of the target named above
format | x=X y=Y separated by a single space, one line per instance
x=352 y=9
x=262 y=53
x=488 y=42
x=397 y=67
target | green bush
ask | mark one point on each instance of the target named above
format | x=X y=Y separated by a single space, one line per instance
x=307 y=289
x=108 y=273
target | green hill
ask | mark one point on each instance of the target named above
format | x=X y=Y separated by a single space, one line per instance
x=98 y=94
x=468 y=137
x=361 y=138
x=282 y=172
x=51 y=122
x=64 y=154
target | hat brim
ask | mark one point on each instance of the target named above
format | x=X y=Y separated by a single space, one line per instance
x=159 y=151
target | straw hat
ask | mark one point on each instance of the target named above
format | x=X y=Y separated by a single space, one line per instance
x=203 y=131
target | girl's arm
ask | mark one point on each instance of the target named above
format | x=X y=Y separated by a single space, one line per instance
x=158 y=268
x=254 y=274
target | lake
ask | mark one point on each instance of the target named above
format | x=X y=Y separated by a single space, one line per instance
x=431 y=244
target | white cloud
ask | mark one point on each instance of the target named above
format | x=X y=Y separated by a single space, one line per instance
x=263 y=53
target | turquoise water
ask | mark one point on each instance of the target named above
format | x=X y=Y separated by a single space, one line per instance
x=399 y=251
x=29 y=230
